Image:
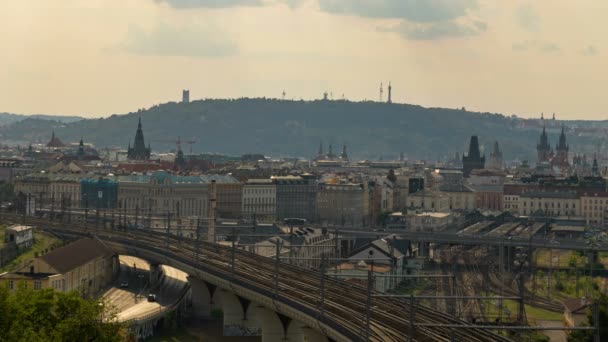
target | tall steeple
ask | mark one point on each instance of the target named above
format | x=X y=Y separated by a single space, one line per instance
x=320 y=153
x=561 y=151
x=496 y=161
x=139 y=150
x=562 y=141
x=595 y=170
x=474 y=160
x=330 y=153
x=344 y=155
x=81 y=148
x=543 y=149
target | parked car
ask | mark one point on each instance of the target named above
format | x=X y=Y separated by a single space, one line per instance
x=151 y=297
x=124 y=284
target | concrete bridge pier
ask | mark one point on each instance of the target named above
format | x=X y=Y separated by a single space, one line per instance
x=201 y=296
x=279 y=328
x=239 y=315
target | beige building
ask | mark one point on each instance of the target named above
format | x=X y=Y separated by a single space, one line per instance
x=343 y=204
x=260 y=199
x=162 y=193
x=86 y=266
x=593 y=208
x=428 y=221
x=51 y=190
x=549 y=203
x=229 y=197
x=429 y=200
x=461 y=197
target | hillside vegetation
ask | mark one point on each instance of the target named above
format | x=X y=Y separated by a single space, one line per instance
x=295 y=128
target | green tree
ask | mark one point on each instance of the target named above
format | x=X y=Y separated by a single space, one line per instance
x=46 y=315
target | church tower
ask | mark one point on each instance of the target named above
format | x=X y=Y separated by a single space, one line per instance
x=561 y=151
x=81 y=148
x=474 y=160
x=496 y=161
x=139 y=151
x=543 y=149
x=344 y=155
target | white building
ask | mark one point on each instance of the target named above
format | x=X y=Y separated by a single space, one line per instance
x=22 y=236
x=259 y=199
x=428 y=221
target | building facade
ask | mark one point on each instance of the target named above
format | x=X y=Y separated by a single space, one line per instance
x=260 y=200
x=86 y=266
x=343 y=204
x=296 y=197
x=163 y=193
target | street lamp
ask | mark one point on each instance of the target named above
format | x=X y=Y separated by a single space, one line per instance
x=101 y=309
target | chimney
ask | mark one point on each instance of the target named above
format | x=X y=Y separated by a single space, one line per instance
x=211 y=211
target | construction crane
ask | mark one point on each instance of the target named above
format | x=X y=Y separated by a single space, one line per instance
x=178 y=142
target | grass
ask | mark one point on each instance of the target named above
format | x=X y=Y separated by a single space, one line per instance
x=560 y=258
x=2 y=228
x=44 y=242
x=532 y=312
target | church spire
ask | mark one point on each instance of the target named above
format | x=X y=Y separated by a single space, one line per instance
x=344 y=155
x=139 y=150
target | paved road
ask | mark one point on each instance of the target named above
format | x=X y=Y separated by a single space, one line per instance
x=131 y=302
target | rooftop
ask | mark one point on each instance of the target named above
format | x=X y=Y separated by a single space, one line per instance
x=19 y=228
x=76 y=254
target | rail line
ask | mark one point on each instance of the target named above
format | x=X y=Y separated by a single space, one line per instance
x=344 y=304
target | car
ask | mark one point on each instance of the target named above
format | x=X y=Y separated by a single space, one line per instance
x=151 y=297
x=124 y=284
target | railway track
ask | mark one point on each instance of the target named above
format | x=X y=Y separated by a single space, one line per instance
x=344 y=304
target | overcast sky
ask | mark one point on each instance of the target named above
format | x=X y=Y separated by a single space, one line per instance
x=99 y=57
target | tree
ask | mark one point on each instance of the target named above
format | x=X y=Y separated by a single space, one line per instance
x=46 y=315
x=587 y=335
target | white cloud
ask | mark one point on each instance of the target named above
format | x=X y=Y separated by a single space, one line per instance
x=438 y=30
x=412 y=10
x=528 y=18
x=536 y=45
x=188 y=41
x=211 y=3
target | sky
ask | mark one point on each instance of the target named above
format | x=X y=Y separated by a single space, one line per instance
x=100 y=57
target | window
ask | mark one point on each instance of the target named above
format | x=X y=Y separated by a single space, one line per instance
x=37 y=285
x=11 y=284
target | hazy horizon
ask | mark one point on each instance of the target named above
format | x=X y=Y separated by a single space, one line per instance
x=99 y=58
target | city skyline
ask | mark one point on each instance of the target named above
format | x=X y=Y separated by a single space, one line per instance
x=100 y=58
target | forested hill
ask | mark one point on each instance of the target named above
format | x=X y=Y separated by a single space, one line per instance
x=8 y=118
x=295 y=128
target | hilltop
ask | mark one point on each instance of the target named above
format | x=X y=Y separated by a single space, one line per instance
x=295 y=128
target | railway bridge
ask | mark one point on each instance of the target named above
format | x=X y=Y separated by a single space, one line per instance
x=259 y=296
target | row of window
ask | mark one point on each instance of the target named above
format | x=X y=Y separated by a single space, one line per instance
x=547 y=205
x=258 y=191
x=37 y=284
x=258 y=200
